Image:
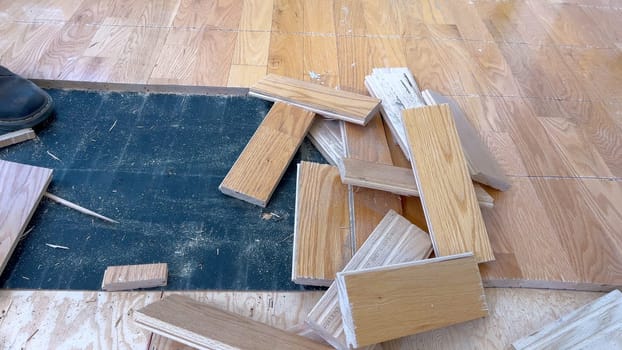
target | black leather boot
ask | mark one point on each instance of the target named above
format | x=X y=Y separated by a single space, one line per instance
x=22 y=103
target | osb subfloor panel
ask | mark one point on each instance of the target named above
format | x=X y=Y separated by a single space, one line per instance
x=541 y=80
x=103 y=320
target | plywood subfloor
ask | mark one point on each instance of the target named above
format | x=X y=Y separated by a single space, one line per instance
x=540 y=80
x=103 y=320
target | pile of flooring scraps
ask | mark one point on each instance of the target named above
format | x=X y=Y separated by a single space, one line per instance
x=350 y=234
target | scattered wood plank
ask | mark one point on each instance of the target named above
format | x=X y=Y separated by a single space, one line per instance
x=483 y=166
x=21 y=189
x=259 y=168
x=409 y=298
x=17 y=136
x=395 y=240
x=454 y=218
x=207 y=327
x=597 y=325
x=325 y=135
x=398 y=90
x=76 y=207
x=367 y=206
x=322 y=243
x=330 y=103
x=128 y=277
x=392 y=179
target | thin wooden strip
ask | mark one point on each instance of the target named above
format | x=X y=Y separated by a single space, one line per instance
x=388 y=302
x=395 y=240
x=483 y=166
x=259 y=168
x=208 y=327
x=128 y=277
x=343 y=105
x=325 y=135
x=321 y=234
x=17 y=136
x=392 y=179
x=367 y=206
x=598 y=323
x=454 y=218
x=21 y=189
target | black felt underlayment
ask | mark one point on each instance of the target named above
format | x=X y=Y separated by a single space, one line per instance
x=153 y=162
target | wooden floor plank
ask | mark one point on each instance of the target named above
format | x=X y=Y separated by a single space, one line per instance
x=598 y=324
x=389 y=302
x=482 y=165
x=17 y=136
x=328 y=102
x=21 y=189
x=454 y=219
x=209 y=327
x=128 y=277
x=259 y=168
x=392 y=179
x=394 y=240
x=322 y=243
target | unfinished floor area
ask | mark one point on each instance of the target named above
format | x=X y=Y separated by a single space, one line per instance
x=541 y=80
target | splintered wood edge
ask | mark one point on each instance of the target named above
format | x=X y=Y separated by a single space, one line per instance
x=546 y=284
x=325 y=113
x=296 y=210
x=396 y=136
x=243 y=196
x=346 y=311
x=613 y=298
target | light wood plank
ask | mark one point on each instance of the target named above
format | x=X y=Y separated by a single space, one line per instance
x=597 y=324
x=395 y=240
x=17 y=136
x=322 y=243
x=128 y=277
x=208 y=327
x=21 y=189
x=325 y=135
x=454 y=218
x=389 y=302
x=482 y=164
x=392 y=179
x=259 y=168
x=323 y=100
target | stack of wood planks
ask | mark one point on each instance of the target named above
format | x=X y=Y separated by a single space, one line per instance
x=352 y=233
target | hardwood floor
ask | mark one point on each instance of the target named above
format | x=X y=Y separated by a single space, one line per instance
x=541 y=80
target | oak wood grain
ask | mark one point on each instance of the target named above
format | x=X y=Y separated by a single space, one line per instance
x=322 y=243
x=388 y=302
x=323 y=100
x=454 y=219
x=259 y=168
